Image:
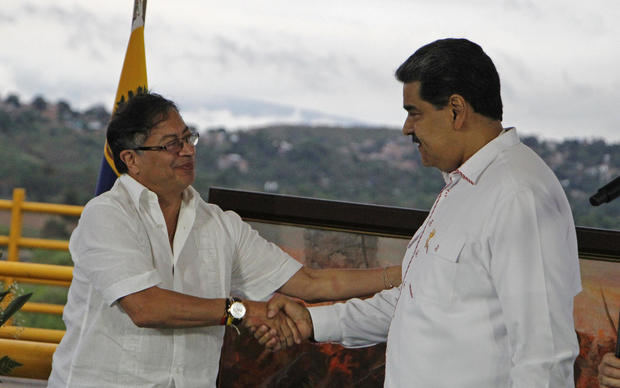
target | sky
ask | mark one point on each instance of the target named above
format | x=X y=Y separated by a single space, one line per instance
x=243 y=63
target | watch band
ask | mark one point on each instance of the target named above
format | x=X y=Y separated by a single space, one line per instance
x=224 y=319
x=229 y=319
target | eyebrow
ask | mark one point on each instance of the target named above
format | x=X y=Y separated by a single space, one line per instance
x=410 y=108
x=173 y=135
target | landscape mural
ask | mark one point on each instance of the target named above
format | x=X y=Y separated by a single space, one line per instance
x=245 y=363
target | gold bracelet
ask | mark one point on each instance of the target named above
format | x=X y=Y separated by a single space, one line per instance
x=386 y=280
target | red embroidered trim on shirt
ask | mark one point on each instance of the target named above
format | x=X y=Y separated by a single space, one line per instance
x=465 y=177
x=446 y=189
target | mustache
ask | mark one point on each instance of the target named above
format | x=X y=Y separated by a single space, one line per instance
x=185 y=163
x=414 y=139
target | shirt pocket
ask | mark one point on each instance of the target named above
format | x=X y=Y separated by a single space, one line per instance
x=211 y=271
x=435 y=280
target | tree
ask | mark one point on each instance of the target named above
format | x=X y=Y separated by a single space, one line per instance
x=39 y=103
x=13 y=100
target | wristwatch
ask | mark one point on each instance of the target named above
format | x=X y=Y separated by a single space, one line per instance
x=235 y=311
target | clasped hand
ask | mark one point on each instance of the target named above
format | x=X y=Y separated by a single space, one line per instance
x=279 y=323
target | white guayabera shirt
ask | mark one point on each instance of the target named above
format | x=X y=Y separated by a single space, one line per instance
x=488 y=283
x=120 y=247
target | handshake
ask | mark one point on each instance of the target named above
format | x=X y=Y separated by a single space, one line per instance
x=279 y=323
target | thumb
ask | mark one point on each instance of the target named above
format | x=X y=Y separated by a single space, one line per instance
x=274 y=305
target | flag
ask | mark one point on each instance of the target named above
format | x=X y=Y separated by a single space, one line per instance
x=133 y=80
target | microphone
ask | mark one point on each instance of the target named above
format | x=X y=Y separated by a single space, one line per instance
x=606 y=193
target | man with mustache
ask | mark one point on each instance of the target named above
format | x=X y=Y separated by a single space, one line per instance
x=156 y=267
x=489 y=279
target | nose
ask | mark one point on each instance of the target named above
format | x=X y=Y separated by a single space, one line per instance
x=188 y=148
x=408 y=127
x=409 y=130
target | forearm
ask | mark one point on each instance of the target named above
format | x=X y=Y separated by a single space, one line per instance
x=350 y=283
x=336 y=284
x=159 y=308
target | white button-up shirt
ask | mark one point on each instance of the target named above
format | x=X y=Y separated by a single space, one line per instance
x=488 y=283
x=121 y=246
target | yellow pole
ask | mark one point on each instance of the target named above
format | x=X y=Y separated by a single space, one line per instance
x=35 y=357
x=47 y=282
x=29 y=242
x=36 y=270
x=31 y=334
x=16 y=224
x=43 y=308
x=53 y=208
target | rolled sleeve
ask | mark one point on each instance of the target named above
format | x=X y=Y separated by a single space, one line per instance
x=110 y=250
x=130 y=285
x=260 y=267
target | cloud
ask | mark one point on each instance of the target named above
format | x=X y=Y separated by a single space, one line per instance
x=557 y=59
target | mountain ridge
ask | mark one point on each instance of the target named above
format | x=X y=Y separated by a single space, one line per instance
x=54 y=152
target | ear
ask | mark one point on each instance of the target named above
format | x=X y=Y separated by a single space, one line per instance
x=129 y=158
x=459 y=108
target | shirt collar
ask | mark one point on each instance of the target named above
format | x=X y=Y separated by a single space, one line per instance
x=138 y=192
x=478 y=162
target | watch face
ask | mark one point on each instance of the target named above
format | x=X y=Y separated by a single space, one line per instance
x=237 y=310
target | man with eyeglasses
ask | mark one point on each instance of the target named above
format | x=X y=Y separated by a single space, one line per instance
x=156 y=268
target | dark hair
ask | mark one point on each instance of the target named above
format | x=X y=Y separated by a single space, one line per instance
x=132 y=122
x=455 y=66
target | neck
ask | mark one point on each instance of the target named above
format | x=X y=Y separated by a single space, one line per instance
x=483 y=131
x=170 y=210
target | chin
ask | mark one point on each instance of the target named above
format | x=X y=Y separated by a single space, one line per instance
x=426 y=163
x=186 y=180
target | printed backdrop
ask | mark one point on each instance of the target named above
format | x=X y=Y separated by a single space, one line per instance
x=244 y=363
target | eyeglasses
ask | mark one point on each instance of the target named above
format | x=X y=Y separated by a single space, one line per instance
x=175 y=146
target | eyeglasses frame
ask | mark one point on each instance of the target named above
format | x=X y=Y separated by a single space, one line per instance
x=191 y=139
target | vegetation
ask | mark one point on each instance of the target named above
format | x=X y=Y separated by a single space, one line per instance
x=55 y=153
x=7 y=364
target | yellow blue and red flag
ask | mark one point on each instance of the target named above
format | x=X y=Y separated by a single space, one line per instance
x=133 y=80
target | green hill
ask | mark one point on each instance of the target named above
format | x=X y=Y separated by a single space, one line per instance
x=54 y=152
